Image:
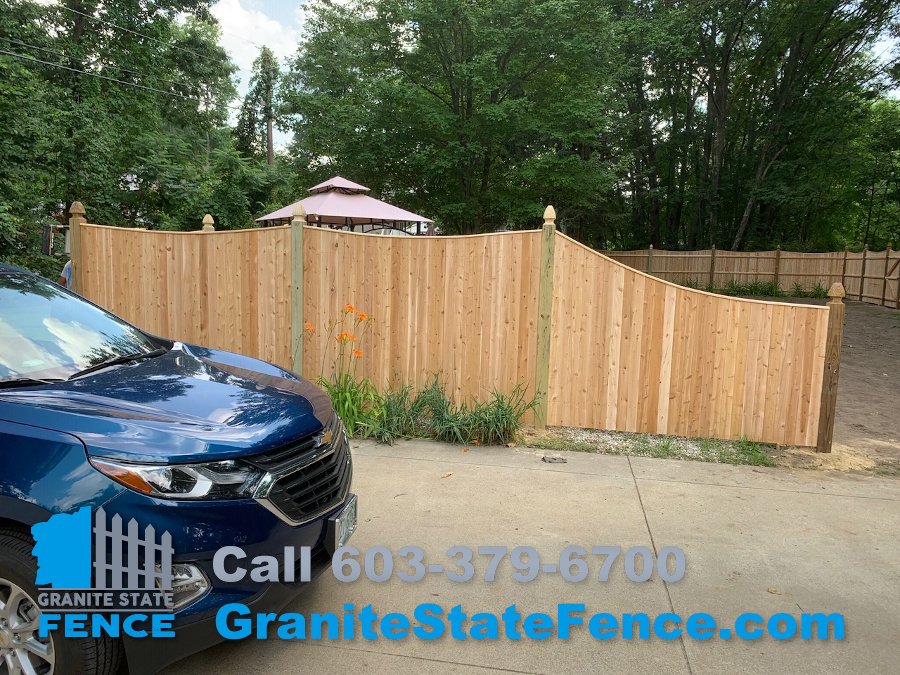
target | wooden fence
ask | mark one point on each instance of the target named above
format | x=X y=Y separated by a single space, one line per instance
x=869 y=276
x=600 y=345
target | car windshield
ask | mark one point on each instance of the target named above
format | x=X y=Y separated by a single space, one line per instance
x=47 y=333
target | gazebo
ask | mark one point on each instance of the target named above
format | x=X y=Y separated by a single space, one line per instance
x=341 y=204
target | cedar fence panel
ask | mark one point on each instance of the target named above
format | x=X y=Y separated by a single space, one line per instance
x=627 y=351
x=464 y=307
x=229 y=290
x=633 y=353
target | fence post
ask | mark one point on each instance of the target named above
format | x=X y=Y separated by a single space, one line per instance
x=545 y=312
x=844 y=268
x=887 y=265
x=208 y=223
x=712 y=267
x=650 y=260
x=833 y=341
x=862 y=273
x=777 y=265
x=76 y=220
x=297 y=288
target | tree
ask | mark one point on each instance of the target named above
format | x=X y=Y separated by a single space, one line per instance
x=101 y=81
x=257 y=118
x=475 y=112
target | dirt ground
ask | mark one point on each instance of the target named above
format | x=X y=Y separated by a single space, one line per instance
x=867 y=423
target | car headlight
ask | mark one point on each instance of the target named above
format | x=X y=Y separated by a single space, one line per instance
x=189 y=583
x=228 y=479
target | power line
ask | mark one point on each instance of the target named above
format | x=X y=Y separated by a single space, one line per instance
x=116 y=66
x=150 y=37
x=134 y=32
x=111 y=79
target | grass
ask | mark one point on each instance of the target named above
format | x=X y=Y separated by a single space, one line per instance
x=889 y=468
x=430 y=413
x=562 y=444
x=737 y=452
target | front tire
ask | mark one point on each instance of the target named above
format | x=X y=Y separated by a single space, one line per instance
x=21 y=649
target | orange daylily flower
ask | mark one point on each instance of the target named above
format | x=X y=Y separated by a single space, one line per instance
x=357 y=353
x=308 y=326
x=362 y=316
x=349 y=308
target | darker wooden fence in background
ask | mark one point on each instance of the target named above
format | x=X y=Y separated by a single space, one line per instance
x=868 y=276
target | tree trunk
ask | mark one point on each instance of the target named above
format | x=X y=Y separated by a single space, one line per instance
x=270 y=143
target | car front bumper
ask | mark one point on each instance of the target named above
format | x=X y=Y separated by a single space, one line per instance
x=197 y=631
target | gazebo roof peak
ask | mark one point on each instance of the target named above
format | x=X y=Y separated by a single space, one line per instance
x=338 y=183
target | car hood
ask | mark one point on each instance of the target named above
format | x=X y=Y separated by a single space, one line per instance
x=190 y=404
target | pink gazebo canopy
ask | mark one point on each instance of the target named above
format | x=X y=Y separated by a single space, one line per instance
x=341 y=202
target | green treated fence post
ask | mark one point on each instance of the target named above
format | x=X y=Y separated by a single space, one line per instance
x=545 y=312
x=297 y=288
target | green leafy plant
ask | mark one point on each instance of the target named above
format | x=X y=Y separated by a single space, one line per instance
x=431 y=413
x=355 y=399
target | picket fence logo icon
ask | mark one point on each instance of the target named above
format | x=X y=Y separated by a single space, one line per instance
x=130 y=570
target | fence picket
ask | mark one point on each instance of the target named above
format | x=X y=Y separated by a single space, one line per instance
x=134 y=541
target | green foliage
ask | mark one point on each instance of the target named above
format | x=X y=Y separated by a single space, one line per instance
x=764 y=289
x=356 y=401
x=400 y=415
x=430 y=413
x=739 y=123
x=759 y=289
x=253 y=133
x=134 y=157
x=476 y=113
x=746 y=451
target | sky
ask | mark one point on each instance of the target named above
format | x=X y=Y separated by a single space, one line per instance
x=249 y=24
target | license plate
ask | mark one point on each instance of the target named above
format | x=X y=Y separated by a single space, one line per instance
x=342 y=526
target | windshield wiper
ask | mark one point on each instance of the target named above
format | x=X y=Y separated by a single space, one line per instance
x=116 y=360
x=26 y=382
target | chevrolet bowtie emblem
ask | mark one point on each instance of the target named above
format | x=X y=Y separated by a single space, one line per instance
x=325 y=439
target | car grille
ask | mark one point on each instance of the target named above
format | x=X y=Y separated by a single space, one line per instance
x=285 y=456
x=296 y=452
x=320 y=481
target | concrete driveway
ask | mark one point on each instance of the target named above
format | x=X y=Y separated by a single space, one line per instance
x=755 y=540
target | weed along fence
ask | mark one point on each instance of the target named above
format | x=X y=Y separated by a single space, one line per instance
x=599 y=344
x=868 y=276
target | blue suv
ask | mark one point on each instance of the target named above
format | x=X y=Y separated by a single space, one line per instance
x=216 y=448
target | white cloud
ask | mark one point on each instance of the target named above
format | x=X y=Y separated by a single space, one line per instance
x=245 y=29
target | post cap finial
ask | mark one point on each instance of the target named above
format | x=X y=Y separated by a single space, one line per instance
x=77 y=209
x=299 y=210
x=208 y=223
x=836 y=291
x=549 y=214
